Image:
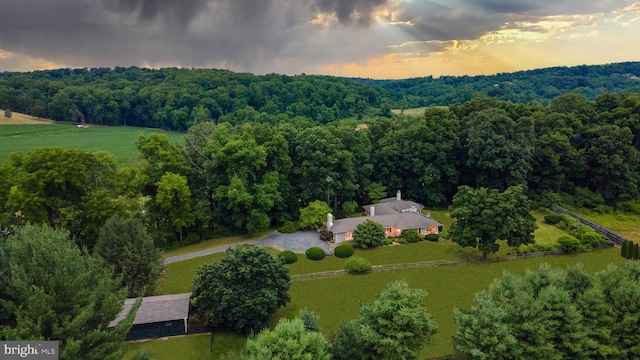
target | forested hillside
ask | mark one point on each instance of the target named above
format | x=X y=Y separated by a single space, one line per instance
x=532 y=87
x=175 y=99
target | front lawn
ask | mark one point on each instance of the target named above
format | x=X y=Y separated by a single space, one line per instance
x=338 y=298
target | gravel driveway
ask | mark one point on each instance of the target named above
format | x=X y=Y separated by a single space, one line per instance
x=298 y=242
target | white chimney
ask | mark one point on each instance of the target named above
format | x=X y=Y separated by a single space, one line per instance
x=372 y=211
x=398 y=195
x=329 y=221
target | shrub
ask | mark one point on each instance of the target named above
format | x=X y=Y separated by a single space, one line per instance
x=343 y=251
x=569 y=243
x=289 y=227
x=591 y=239
x=368 y=234
x=432 y=237
x=315 y=253
x=387 y=242
x=552 y=218
x=288 y=256
x=324 y=233
x=402 y=241
x=357 y=265
x=191 y=238
x=411 y=235
x=7 y=113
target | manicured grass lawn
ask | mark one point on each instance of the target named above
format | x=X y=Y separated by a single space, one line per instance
x=546 y=234
x=336 y=299
x=624 y=224
x=215 y=242
x=117 y=140
x=192 y=347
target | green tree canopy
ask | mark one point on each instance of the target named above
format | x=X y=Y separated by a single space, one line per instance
x=288 y=340
x=483 y=216
x=553 y=313
x=368 y=234
x=51 y=290
x=314 y=214
x=395 y=326
x=126 y=244
x=243 y=290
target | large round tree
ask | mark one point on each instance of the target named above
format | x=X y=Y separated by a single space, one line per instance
x=243 y=290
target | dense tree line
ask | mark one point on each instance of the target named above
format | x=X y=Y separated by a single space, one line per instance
x=538 y=86
x=248 y=177
x=177 y=99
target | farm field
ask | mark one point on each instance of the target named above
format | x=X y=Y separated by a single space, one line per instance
x=117 y=140
x=22 y=119
x=335 y=299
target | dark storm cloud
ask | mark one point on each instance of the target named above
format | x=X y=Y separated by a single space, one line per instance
x=250 y=35
x=181 y=11
x=350 y=11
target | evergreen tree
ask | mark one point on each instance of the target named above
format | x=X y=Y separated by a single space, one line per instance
x=623 y=249
x=51 y=290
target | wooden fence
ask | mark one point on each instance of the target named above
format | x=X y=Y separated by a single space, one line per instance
x=426 y=264
x=613 y=237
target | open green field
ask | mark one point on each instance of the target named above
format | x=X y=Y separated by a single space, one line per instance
x=338 y=298
x=624 y=224
x=117 y=140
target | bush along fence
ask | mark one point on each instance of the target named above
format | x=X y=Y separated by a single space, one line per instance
x=425 y=264
x=613 y=237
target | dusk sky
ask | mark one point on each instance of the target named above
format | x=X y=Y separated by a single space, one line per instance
x=355 y=38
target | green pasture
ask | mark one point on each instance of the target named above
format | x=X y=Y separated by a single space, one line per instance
x=336 y=299
x=624 y=224
x=192 y=347
x=117 y=140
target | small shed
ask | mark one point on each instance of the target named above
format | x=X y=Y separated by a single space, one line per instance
x=157 y=316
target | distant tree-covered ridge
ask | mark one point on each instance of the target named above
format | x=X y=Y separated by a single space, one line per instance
x=538 y=86
x=176 y=99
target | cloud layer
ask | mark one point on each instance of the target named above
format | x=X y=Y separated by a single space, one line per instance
x=288 y=36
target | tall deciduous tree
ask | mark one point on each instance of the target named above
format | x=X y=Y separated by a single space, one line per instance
x=127 y=246
x=174 y=198
x=51 y=290
x=314 y=215
x=499 y=149
x=243 y=290
x=483 y=216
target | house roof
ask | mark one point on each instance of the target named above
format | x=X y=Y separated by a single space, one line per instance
x=392 y=205
x=156 y=309
x=400 y=221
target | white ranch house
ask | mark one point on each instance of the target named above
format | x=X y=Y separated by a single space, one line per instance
x=394 y=214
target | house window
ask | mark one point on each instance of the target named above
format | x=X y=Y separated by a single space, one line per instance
x=348 y=236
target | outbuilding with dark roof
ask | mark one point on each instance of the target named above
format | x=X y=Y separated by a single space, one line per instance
x=157 y=316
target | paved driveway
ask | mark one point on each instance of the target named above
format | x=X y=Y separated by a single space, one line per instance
x=298 y=242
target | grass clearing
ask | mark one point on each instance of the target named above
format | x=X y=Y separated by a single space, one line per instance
x=117 y=140
x=546 y=234
x=336 y=299
x=215 y=242
x=22 y=119
x=624 y=224
x=193 y=347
